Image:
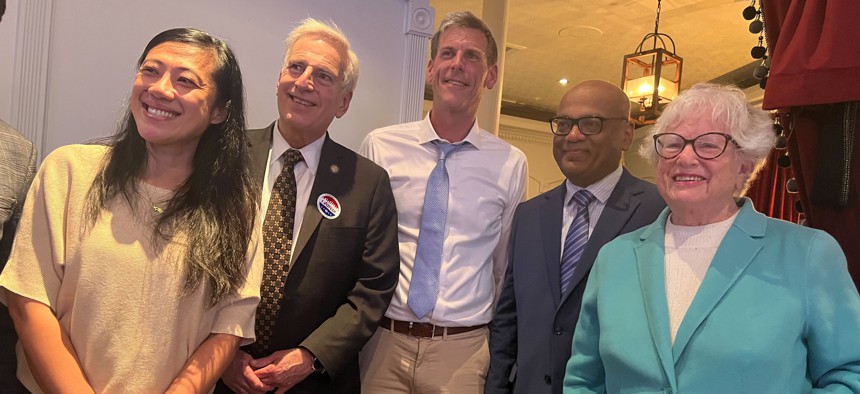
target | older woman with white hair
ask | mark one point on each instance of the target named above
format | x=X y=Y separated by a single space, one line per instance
x=714 y=297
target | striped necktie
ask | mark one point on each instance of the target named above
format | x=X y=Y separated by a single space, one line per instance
x=577 y=238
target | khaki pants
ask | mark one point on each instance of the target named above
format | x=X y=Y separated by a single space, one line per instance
x=398 y=363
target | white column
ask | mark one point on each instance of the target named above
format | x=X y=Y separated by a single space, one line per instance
x=495 y=15
x=419 y=28
x=30 y=83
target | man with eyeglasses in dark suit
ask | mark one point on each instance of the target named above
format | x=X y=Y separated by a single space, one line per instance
x=556 y=237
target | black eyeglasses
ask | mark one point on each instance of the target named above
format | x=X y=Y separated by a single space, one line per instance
x=589 y=125
x=707 y=146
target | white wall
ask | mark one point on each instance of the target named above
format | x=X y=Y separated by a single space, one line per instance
x=94 y=46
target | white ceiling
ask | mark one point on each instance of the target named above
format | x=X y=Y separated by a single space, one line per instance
x=587 y=39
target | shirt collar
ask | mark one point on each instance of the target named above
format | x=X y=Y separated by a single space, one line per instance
x=428 y=134
x=310 y=152
x=601 y=189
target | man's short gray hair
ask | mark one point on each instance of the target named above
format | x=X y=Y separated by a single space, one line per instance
x=311 y=27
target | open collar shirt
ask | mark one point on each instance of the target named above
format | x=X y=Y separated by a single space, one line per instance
x=601 y=190
x=487 y=181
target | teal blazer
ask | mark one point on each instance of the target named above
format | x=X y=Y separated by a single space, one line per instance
x=777 y=312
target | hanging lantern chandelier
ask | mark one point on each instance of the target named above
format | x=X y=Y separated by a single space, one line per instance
x=652 y=77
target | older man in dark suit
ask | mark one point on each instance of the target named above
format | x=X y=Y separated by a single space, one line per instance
x=556 y=237
x=329 y=231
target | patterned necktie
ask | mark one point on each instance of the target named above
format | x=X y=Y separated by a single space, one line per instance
x=424 y=287
x=277 y=245
x=577 y=237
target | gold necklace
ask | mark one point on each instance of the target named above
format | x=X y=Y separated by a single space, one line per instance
x=147 y=195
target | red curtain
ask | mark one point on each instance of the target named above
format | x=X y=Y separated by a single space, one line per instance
x=843 y=223
x=768 y=193
x=815 y=61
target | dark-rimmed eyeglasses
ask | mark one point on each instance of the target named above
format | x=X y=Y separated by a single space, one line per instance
x=589 y=125
x=707 y=146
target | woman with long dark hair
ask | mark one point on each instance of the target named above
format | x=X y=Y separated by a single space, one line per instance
x=131 y=271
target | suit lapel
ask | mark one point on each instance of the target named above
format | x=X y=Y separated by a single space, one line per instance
x=551 y=213
x=259 y=145
x=734 y=255
x=620 y=206
x=652 y=282
x=325 y=181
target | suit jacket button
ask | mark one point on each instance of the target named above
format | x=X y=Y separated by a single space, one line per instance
x=547 y=379
x=558 y=331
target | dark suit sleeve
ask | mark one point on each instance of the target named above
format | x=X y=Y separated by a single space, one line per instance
x=338 y=340
x=503 y=330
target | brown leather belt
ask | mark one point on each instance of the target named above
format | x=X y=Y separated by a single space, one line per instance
x=423 y=330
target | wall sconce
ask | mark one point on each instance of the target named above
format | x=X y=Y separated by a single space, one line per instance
x=651 y=77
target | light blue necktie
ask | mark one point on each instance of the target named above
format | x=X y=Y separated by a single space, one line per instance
x=424 y=287
x=577 y=238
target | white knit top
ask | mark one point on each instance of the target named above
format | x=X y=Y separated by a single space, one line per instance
x=117 y=295
x=689 y=252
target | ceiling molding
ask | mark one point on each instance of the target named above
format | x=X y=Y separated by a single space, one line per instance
x=511 y=109
x=524 y=135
